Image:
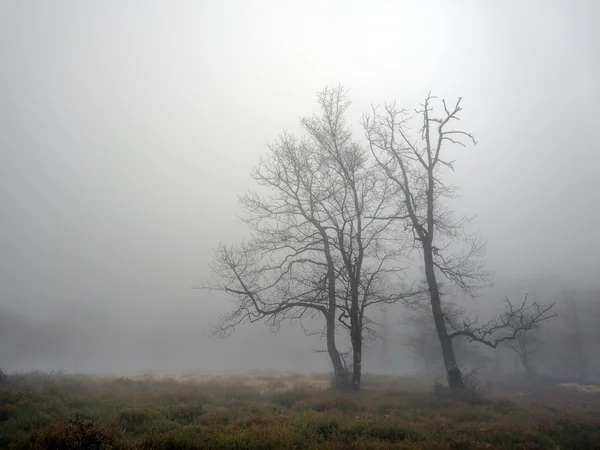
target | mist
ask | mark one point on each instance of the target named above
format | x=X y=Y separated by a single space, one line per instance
x=128 y=130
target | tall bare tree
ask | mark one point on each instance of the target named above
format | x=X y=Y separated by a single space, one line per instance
x=321 y=242
x=288 y=270
x=362 y=233
x=415 y=165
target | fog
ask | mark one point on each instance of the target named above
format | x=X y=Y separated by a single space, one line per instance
x=128 y=129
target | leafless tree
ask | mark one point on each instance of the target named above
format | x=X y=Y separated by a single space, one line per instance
x=524 y=346
x=574 y=337
x=295 y=286
x=321 y=242
x=288 y=270
x=415 y=166
x=362 y=223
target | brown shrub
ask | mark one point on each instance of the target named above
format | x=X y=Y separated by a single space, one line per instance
x=78 y=433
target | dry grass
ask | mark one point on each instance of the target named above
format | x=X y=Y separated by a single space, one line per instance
x=279 y=411
x=590 y=388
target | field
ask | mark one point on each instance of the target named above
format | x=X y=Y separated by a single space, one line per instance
x=282 y=411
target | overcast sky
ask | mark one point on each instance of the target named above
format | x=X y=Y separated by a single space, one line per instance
x=128 y=128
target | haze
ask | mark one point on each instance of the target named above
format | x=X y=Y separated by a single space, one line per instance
x=128 y=129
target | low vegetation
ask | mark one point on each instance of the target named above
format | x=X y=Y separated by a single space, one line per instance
x=270 y=410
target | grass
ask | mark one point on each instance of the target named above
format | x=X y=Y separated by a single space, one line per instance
x=276 y=411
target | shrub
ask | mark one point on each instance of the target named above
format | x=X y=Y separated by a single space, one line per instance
x=470 y=396
x=288 y=399
x=338 y=403
x=6 y=412
x=315 y=429
x=133 y=420
x=78 y=433
x=275 y=385
x=185 y=413
x=169 y=441
x=505 y=406
x=392 y=432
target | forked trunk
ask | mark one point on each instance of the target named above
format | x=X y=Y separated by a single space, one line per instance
x=340 y=377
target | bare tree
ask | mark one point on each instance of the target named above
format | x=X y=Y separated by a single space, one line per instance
x=524 y=346
x=574 y=338
x=448 y=249
x=414 y=165
x=321 y=242
x=286 y=289
x=362 y=231
x=288 y=271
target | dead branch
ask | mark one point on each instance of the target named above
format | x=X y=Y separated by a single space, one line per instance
x=507 y=326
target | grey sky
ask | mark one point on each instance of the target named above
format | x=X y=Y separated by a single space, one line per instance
x=127 y=129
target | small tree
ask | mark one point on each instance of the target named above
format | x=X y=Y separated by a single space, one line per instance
x=524 y=346
x=574 y=338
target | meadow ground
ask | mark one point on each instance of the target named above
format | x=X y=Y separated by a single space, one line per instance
x=283 y=411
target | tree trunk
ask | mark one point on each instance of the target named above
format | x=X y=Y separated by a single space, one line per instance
x=356 y=360
x=453 y=374
x=526 y=366
x=528 y=372
x=355 y=336
x=340 y=379
x=582 y=369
